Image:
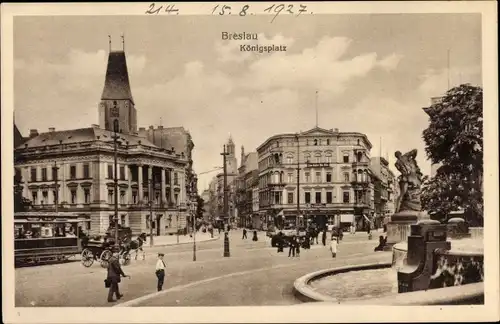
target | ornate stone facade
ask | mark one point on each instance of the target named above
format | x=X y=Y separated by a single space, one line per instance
x=78 y=164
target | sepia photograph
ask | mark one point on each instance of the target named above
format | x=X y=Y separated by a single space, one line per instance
x=299 y=155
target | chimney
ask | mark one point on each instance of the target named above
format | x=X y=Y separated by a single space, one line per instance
x=142 y=129
x=160 y=127
x=52 y=129
x=336 y=130
x=242 y=154
x=94 y=126
x=33 y=133
x=151 y=127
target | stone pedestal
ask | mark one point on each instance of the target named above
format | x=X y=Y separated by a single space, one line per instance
x=398 y=228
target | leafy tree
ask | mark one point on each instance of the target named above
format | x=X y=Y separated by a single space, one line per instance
x=454 y=139
x=200 y=208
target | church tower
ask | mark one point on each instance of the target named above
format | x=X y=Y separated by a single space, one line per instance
x=232 y=162
x=117 y=102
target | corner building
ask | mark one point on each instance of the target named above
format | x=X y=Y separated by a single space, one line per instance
x=74 y=169
x=334 y=178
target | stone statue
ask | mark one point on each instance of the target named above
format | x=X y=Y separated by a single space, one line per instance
x=410 y=182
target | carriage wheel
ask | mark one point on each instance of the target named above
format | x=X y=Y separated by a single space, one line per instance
x=87 y=258
x=105 y=256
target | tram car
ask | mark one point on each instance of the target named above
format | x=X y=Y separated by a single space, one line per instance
x=47 y=238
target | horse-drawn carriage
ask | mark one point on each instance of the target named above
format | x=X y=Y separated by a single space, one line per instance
x=99 y=248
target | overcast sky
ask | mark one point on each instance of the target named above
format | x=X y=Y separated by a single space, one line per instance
x=374 y=73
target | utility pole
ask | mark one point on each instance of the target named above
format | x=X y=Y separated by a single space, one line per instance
x=226 y=216
x=298 y=180
x=115 y=141
x=56 y=182
x=151 y=189
x=194 y=232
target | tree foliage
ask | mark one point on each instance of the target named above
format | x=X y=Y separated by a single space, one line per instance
x=454 y=139
x=200 y=207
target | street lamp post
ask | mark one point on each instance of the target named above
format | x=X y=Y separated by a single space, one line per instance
x=177 y=223
x=298 y=178
x=194 y=231
x=226 y=216
x=115 y=142
x=151 y=188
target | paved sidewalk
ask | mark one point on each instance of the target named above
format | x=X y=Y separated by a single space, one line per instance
x=166 y=240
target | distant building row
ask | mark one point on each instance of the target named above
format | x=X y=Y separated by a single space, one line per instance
x=338 y=182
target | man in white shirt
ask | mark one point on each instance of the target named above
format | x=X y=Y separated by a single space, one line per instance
x=160 y=270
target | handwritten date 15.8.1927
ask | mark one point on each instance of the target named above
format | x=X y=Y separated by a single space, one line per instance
x=274 y=9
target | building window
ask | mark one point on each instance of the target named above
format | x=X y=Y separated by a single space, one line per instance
x=33 y=174
x=44 y=174
x=327 y=141
x=346 y=157
x=328 y=159
x=329 y=197
x=73 y=196
x=176 y=179
x=290 y=177
x=346 y=176
x=290 y=197
x=277 y=198
x=315 y=142
x=346 y=197
x=176 y=199
x=54 y=193
x=134 y=197
x=123 y=219
x=110 y=171
x=45 y=197
x=122 y=197
x=72 y=172
x=318 y=197
x=328 y=177
x=86 y=194
x=318 y=159
x=308 y=177
x=318 y=177
x=122 y=173
x=34 y=195
x=110 y=196
x=289 y=159
x=308 y=197
x=86 y=171
x=157 y=197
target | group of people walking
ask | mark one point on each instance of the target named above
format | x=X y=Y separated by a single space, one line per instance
x=254 y=237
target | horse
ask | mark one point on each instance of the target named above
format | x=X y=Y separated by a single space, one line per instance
x=136 y=245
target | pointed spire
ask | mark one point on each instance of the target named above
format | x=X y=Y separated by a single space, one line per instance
x=117 y=85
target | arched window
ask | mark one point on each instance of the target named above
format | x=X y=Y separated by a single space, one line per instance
x=317 y=157
x=307 y=157
x=360 y=156
x=360 y=176
x=315 y=142
x=365 y=176
x=328 y=157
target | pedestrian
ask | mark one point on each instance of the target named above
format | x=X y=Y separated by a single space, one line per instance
x=291 y=250
x=280 y=242
x=323 y=237
x=160 y=270
x=381 y=244
x=244 y=234
x=115 y=273
x=333 y=247
x=255 y=238
x=297 y=246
